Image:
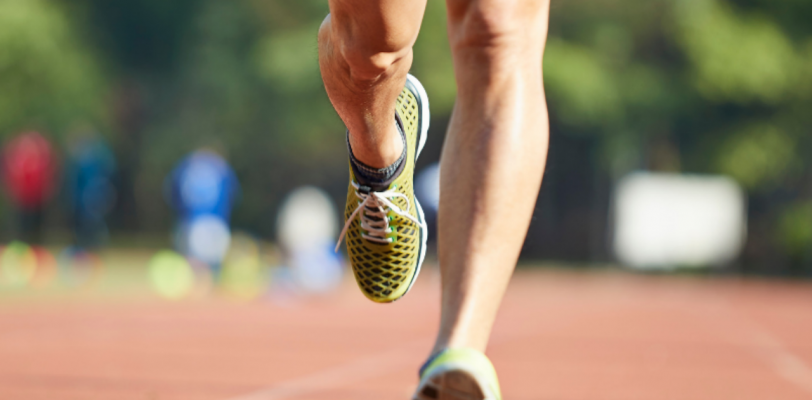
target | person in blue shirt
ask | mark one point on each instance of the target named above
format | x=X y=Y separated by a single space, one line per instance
x=203 y=189
x=91 y=188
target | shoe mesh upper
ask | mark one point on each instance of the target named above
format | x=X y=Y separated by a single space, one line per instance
x=384 y=271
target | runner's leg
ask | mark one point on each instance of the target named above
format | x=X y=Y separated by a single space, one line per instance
x=365 y=52
x=493 y=159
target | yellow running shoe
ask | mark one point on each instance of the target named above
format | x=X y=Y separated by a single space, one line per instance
x=384 y=226
x=458 y=374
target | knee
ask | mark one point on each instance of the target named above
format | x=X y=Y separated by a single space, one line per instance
x=497 y=26
x=368 y=61
x=369 y=56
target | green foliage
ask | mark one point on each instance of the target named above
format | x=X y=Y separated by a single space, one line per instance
x=432 y=60
x=759 y=156
x=795 y=229
x=736 y=57
x=48 y=78
x=288 y=61
x=691 y=70
x=582 y=89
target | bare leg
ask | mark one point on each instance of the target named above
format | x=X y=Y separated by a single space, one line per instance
x=493 y=159
x=365 y=52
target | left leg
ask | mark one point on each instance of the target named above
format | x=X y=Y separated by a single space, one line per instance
x=492 y=165
x=493 y=159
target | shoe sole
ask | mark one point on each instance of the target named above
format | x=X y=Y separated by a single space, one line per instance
x=424 y=118
x=452 y=384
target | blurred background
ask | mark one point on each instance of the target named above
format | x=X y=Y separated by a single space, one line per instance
x=159 y=150
x=680 y=133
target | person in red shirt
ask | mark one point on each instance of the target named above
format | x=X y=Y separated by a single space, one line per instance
x=29 y=169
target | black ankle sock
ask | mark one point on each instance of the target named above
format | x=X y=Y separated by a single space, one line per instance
x=378 y=177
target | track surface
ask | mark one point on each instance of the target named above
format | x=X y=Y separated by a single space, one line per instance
x=560 y=336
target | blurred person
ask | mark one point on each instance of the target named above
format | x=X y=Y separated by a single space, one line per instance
x=306 y=226
x=29 y=168
x=202 y=189
x=90 y=182
x=492 y=163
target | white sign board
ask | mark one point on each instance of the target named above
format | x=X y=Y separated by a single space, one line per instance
x=664 y=221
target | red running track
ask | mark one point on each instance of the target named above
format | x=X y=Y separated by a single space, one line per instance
x=560 y=336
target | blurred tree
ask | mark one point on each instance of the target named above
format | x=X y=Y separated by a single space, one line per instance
x=138 y=37
x=49 y=79
x=736 y=58
x=759 y=156
x=724 y=84
x=795 y=230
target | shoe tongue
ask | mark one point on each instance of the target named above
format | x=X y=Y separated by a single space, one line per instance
x=371 y=186
x=366 y=187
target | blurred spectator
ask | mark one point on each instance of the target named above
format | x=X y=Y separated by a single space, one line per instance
x=306 y=230
x=29 y=168
x=202 y=190
x=92 y=194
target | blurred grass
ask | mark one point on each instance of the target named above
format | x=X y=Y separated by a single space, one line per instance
x=123 y=276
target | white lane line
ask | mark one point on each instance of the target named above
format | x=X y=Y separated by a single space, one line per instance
x=782 y=361
x=355 y=371
x=363 y=369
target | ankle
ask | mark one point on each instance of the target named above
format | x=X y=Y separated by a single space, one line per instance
x=377 y=150
x=461 y=337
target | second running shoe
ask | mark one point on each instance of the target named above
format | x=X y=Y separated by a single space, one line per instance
x=384 y=226
x=458 y=374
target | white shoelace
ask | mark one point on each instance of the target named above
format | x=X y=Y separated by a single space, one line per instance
x=374 y=219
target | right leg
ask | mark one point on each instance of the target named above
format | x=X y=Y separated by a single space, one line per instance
x=492 y=165
x=365 y=52
x=493 y=159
